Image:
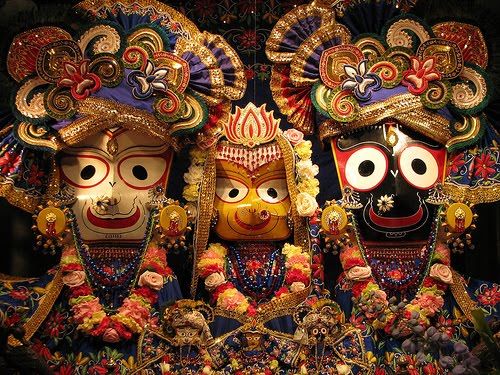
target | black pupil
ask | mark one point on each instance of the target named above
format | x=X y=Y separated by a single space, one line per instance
x=233 y=193
x=366 y=168
x=272 y=193
x=419 y=166
x=88 y=172
x=140 y=172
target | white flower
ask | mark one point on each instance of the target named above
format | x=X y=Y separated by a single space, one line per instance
x=385 y=203
x=343 y=369
x=306 y=204
x=306 y=169
x=214 y=280
x=194 y=174
x=297 y=286
x=358 y=273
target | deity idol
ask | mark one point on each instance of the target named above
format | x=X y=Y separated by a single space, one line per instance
x=89 y=150
x=402 y=112
x=252 y=216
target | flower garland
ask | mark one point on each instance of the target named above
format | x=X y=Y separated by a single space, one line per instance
x=212 y=268
x=372 y=302
x=135 y=311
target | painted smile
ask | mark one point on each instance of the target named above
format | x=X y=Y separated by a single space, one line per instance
x=114 y=223
x=396 y=222
x=251 y=227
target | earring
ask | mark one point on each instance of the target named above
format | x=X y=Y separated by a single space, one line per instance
x=157 y=197
x=50 y=227
x=437 y=196
x=172 y=224
x=335 y=227
x=350 y=198
x=457 y=219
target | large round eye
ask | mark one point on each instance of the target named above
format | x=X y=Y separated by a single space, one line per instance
x=366 y=168
x=419 y=167
x=273 y=191
x=142 y=172
x=84 y=171
x=323 y=331
x=229 y=190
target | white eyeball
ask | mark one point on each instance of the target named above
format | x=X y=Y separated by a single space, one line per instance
x=230 y=190
x=418 y=167
x=366 y=168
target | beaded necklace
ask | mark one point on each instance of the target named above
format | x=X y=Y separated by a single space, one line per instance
x=260 y=285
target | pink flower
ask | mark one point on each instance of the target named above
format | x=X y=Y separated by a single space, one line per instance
x=441 y=273
x=294 y=136
x=417 y=78
x=429 y=302
x=85 y=309
x=110 y=335
x=74 y=278
x=134 y=310
x=358 y=273
x=151 y=279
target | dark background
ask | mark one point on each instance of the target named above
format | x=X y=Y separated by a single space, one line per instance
x=246 y=25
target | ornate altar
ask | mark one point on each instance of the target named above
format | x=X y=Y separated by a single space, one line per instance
x=289 y=200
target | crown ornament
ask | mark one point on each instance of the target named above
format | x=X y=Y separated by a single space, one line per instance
x=251 y=126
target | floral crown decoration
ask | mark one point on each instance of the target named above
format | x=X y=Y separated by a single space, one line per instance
x=430 y=79
x=253 y=138
x=142 y=66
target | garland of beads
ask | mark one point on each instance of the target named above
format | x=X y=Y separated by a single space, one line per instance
x=372 y=302
x=212 y=267
x=135 y=311
x=267 y=283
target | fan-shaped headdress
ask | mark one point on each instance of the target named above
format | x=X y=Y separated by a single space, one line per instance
x=431 y=79
x=142 y=66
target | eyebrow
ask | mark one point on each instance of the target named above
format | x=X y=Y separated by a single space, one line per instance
x=356 y=145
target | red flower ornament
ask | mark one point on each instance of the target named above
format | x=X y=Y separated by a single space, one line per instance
x=484 y=166
x=79 y=79
x=421 y=73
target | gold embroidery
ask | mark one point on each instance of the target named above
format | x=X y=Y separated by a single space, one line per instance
x=481 y=194
x=319 y=37
x=100 y=114
x=461 y=296
x=406 y=108
x=44 y=307
x=205 y=209
x=98 y=6
x=274 y=50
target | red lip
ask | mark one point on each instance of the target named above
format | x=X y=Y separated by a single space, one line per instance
x=114 y=223
x=396 y=222
x=249 y=226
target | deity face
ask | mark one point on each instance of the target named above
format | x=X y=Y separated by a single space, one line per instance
x=392 y=170
x=252 y=205
x=112 y=174
x=187 y=335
